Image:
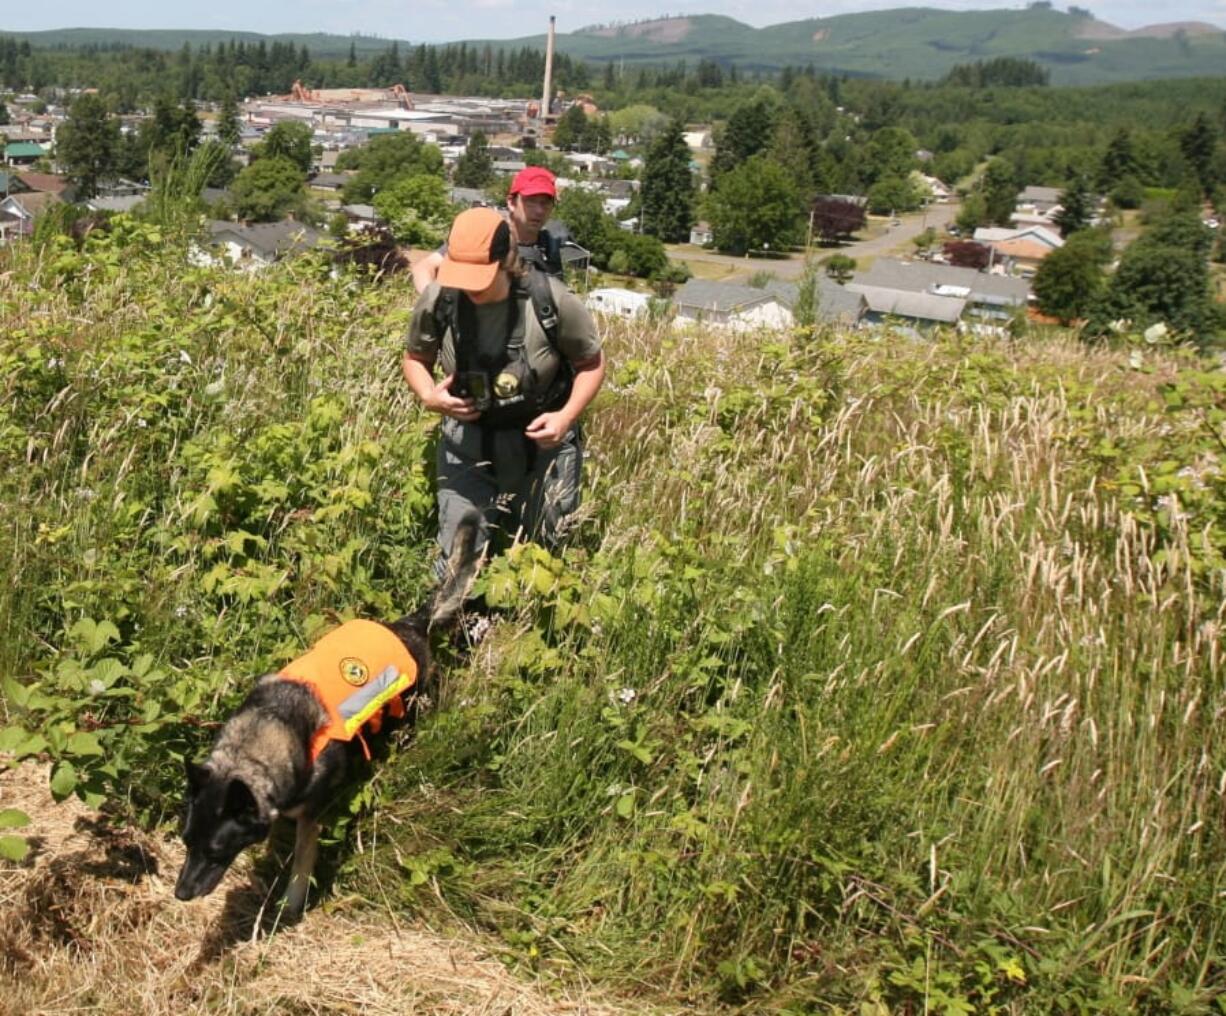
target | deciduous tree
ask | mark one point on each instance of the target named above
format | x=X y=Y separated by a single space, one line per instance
x=1070 y=279
x=836 y=219
x=267 y=189
x=287 y=140
x=755 y=207
x=967 y=254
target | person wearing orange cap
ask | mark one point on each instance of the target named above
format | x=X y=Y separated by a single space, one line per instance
x=530 y=201
x=521 y=359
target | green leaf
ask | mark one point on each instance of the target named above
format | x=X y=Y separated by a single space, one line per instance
x=13 y=848
x=93 y=635
x=11 y=818
x=625 y=805
x=20 y=743
x=83 y=743
x=63 y=781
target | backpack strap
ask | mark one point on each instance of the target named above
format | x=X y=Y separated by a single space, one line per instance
x=543 y=305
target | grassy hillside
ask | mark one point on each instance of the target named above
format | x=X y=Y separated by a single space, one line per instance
x=881 y=676
x=909 y=42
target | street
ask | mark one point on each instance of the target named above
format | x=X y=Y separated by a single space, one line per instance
x=895 y=240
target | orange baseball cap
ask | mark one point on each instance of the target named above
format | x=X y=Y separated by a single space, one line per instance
x=477 y=245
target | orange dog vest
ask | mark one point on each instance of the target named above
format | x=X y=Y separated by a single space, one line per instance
x=357 y=671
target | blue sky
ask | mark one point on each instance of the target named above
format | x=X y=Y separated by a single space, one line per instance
x=444 y=20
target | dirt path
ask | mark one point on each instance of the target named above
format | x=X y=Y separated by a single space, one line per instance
x=89 y=923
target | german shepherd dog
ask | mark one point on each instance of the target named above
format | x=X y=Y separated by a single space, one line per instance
x=260 y=767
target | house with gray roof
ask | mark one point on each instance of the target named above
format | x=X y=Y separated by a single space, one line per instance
x=470 y=197
x=985 y=296
x=834 y=304
x=329 y=181
x=255 y=246
x=728 y=305
x=925 y=309
x=126 y=203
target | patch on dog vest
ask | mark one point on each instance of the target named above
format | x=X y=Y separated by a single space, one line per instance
x=357 y=671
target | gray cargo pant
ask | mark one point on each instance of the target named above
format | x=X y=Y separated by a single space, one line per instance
x=518 y=488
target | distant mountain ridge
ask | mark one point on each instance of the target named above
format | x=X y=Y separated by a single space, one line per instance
x=907 y=42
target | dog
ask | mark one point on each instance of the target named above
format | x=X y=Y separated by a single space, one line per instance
x=285 y=750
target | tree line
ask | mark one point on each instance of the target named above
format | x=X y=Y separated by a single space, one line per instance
x=132 y=77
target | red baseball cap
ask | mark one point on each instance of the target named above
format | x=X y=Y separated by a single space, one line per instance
x=534 y=180
x=477 y=245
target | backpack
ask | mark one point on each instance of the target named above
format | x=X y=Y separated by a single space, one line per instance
x=522 y=405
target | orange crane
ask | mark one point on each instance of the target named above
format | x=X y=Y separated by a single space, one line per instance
x=300 y=93
x=402 y=96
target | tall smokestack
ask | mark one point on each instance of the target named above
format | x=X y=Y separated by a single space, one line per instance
x=546 y=95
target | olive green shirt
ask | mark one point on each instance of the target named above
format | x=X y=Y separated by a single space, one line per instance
x=577 y=338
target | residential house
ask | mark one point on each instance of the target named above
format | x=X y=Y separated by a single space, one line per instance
x=697 y=141
x=1038 y=201
x=470 y=197
x=833 y=304
x=590 y=163
x=50 y=183
x=980 y=295
x=10 y=227
x=23 y=153
x=731 y=306
x=126 y=203
x=939 y=191
x=701 y=234
x=924 y=309
x=614 y=206
x=334 y=182
x=361 y=216
x=23 y=210
x=12 y=183
x=258 y=245
x=624 y=303
x=1019 y=251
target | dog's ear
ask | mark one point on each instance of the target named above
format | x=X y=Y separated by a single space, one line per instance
x=197 y=775
x=241 y=803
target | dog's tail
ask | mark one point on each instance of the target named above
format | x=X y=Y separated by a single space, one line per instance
x=462 y=564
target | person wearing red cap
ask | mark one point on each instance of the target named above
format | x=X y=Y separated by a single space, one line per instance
x=531 y=200
x=521 y=359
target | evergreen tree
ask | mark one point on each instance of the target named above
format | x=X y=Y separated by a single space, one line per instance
x=748 y=131
x=571 y=128
x=229 y=130
x=475 y=168
x=792 y=148
x=668 y=187
x=1199 y=145
x=1076 y=207
x=1119 y=160
x=1000 y=191
x=87 y=144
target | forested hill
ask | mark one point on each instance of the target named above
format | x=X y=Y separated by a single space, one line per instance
x=909 y=42
x=915 y=42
